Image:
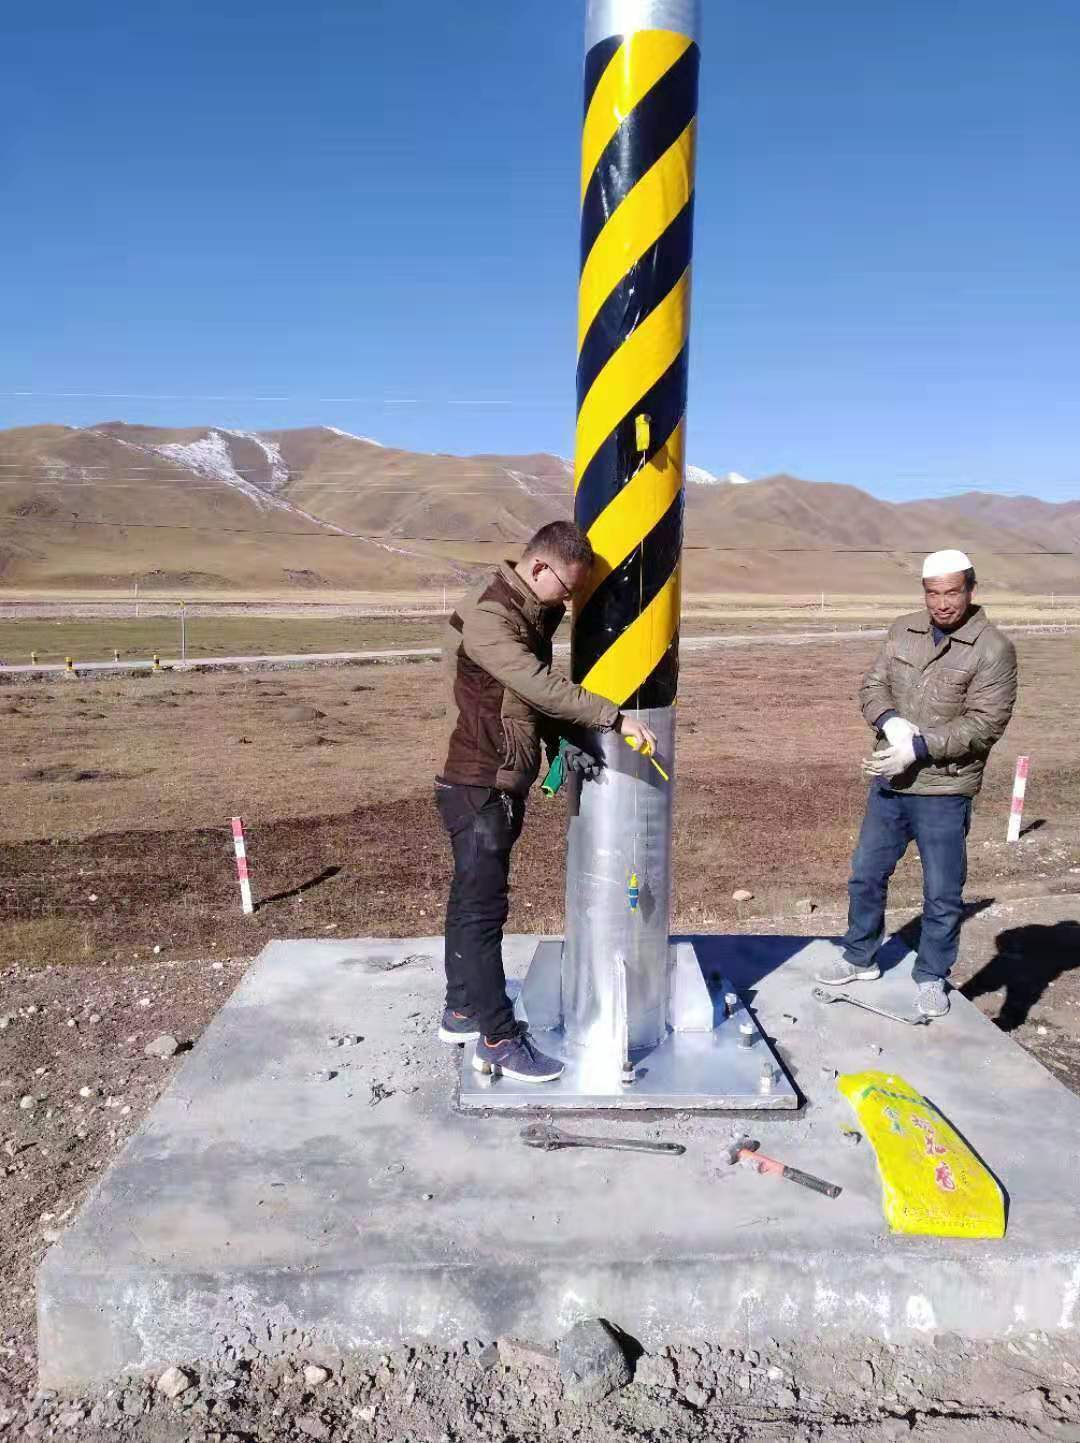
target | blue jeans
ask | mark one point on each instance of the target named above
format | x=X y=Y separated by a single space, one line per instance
x=939 y=827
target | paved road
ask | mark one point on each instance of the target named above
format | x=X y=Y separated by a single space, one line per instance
x=421 y=653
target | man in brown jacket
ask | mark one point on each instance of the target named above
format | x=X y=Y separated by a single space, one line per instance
x=507 y=700
x=940 y=694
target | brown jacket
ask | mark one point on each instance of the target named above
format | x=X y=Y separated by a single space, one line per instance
x=959 y=694
x=498 y=658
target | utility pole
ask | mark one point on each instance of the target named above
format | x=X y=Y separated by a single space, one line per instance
x=183 y=632
x=637 y=187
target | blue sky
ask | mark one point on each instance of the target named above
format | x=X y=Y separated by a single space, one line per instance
x=364 y=214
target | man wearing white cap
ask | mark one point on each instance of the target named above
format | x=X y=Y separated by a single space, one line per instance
x=939 y=694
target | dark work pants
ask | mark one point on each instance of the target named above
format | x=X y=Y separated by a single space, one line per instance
x=939 y=828
x=483 y=824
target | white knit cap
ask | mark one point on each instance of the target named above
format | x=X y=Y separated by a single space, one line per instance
x=945 y=563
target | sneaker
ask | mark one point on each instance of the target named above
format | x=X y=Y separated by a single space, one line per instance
x=516 y=1057
x=933 y=999
x=457 y=1027
x=840 y=972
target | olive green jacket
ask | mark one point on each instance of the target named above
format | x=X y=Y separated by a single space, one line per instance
x=959 y=694
x=505 y=695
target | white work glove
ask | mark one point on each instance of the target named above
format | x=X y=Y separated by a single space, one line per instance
x=893 y=761
x=898 y=731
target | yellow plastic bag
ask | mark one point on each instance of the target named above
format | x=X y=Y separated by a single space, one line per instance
x=931 y=1181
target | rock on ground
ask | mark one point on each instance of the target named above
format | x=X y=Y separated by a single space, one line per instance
x=592 y=1362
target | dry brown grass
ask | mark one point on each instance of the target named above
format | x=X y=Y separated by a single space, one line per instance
x=123 y=789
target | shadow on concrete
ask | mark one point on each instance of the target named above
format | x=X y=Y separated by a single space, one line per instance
x=1026 y=961
x=756 y=956
x=324 y=876
x=906 y=939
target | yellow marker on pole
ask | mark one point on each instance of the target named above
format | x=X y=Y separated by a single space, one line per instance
x=157 y=662
x=69 y=664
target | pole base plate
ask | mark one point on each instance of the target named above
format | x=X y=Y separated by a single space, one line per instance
x=730 y=1068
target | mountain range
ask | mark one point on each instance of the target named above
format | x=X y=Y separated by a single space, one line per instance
x=214 y=509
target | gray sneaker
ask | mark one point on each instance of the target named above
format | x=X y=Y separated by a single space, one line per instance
x=516 y=1057
x=840 y=972
x=933 y=999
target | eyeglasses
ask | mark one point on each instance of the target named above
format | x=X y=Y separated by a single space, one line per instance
x=568 y=590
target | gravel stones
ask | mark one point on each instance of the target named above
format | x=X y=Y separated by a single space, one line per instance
x=314 y=1375
x=164 y=1047
x=173 y=1382
x=592 y=1362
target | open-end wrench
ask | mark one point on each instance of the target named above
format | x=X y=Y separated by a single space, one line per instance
x=915 y=1019
x=549 y=1139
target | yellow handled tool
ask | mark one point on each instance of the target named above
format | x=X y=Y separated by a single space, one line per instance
x=633 y=744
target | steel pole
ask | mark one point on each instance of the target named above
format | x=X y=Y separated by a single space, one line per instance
x=637 y=196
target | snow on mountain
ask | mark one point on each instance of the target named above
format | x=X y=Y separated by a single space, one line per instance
x=349 y=436
x=211 y=458
x=734 y=479
x=698 y=476
x=279 y=472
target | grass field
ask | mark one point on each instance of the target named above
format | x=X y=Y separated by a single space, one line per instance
x=122 y=788
x=92 y=630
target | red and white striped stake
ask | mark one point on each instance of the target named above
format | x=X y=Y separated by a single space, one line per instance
x=241 y=866
x=1016 y=816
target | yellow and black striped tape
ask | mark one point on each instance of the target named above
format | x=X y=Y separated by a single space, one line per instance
x=637 y=201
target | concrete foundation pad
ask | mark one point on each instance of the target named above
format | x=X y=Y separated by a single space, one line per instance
x=262 y=1201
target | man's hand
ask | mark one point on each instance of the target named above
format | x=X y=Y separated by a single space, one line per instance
x=899 y=732
x=893 y=761
x=641 y=737
x=578 y=760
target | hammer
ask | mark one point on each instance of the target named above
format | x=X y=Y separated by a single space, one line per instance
x=745 y=1149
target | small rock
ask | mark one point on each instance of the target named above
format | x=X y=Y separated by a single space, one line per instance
x=157 y=949
x=71 y=1417
x=312 y=1427
x=517 y=1354
x=131 y=1405
x=365 y=1414
x=314 y=1375
x=742 y=895
x=775 y=1374
x=696 y=1396
x=173 y=1382
x=786 y=1398
x=488 y=1356
x=26 y=1103
x=6 y=1021
x=592 y=1362
x=805 y=907
x=89 y=1091
x=744 y=1382
x=163 y=1047
x=655 y=1372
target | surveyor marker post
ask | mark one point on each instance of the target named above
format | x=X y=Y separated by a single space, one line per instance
x=239 y=847
x=1016 y=813
x=637 y=204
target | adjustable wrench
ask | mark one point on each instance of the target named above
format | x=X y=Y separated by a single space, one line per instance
x=915 y=1020
x=549 y=1139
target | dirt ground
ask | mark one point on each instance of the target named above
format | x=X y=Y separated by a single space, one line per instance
x=114 y=841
